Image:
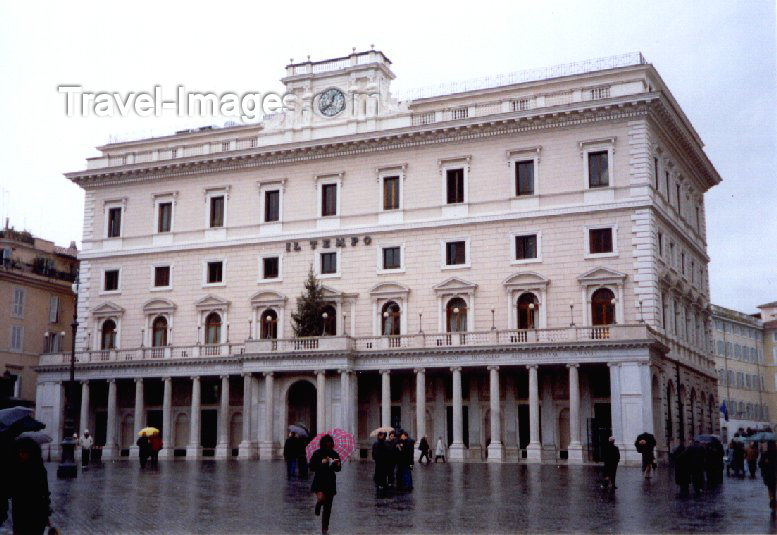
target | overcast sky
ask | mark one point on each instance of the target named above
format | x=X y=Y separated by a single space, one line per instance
x=717 y=57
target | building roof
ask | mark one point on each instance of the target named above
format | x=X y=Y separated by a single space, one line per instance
x=768 y=305
x=730 y=314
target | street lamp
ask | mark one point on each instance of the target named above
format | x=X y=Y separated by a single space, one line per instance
x=325 y=316
x=531 y=311
x=571 y=314
x=345 y=327
x=67 y=465
x=612 y=302
x=250 y=329
x=268 y=330
x=420 y=323
x=493 y=326
x=639 y=306
x=456 y=318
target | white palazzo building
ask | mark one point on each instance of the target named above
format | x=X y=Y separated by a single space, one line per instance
x=517 y=265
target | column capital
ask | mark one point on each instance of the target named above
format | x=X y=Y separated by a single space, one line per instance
x=573 y=365
x=246 y=374
x=532 y=366
x=139 y=380
x=419 y=370
x=222 y=377
x=492 y=368
x=195 y=378
x=268 y=374
x=320 y=372
x=84 y=382
x=343 y=370
x=614 y=364
x=111 y=381
x=455 y=368
x=385 y=372
x=166 y=379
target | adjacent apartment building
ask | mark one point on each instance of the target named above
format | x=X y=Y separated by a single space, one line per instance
x=768 y=315
x=38 y=304
x=517 y=265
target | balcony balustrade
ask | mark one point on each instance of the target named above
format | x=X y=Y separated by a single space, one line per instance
x=365 y=344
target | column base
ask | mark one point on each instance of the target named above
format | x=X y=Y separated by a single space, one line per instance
x=134 y=452
x=110 y=453
x=166 y=454
x=266 y=452
x=222 y=451
x=512 y=453
x=575 y=453
x=193 y=453
x=246 y=450
x=549 y=452
x=534 y=452
x=457 y=452
x=495 y=452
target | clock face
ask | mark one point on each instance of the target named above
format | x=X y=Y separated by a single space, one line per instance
x=331 y=102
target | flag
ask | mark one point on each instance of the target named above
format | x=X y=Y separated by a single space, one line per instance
x=724 y=410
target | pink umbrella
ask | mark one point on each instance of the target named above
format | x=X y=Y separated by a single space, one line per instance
x=344 y=444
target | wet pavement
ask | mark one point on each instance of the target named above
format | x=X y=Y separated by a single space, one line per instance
x=254 y=497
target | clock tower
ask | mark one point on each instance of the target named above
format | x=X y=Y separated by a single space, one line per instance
x=352 y=89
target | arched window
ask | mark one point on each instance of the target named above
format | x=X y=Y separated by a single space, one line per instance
x=329 y=315
x=603 y=307
x=456 y=315
x=528 y=311
x=213 y=328
x=159 y=332
x=108 y=338
x=269 y=324
x=390 y=318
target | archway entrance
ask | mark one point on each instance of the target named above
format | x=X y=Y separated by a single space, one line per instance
x=302 y=405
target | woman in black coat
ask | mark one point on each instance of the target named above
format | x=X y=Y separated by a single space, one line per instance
x=28 y=489
x=768 y=466
x=325 y=463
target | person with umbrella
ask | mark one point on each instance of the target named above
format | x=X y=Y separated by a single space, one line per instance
x=325 y=463
x=144 y=450
x=291 y=453
x=28 y=490
x=646 y=444
x=768 y=466
x=612 y=456
x=380 y=457
x=404 y=456
x=86 y=442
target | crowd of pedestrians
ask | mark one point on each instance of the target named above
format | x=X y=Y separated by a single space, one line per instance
x=393 y=457
x=294 y=455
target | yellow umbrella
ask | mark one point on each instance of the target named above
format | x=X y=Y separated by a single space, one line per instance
x=386 y=430
x=148 y=431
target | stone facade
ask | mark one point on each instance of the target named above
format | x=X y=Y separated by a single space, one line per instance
x=516 y=322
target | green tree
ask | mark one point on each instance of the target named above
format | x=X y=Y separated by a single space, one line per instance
x=307 y=319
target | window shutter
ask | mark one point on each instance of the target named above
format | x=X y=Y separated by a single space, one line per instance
x=54 y=309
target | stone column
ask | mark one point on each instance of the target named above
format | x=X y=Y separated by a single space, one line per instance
x=575 y=448
x=84 y=423
x=420 y=405
x=111 y=449
x=139 y=410
x=222 y=447
x=167 y=420
x=495 y=447
x=615 y=404
x=194 y=449
x=266 y=446
x=246 y=449
x=456 y=451
x=385 y=402
x=320 y=401
x=533 y=449
x=646 y=381
x=345 y=400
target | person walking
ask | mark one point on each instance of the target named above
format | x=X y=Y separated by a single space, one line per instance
x=696 y=461
x=302 y=460
x=404 y=457
x=682 y=470
x=391 y=458
x=425 y=450
x=86 y=442
x=768 y=466
x=713 y=463
x=28 y=490
x=646 y=444
x=751 y=456
x=612 y=456
x=155 y=446
x=290 y=454
x=144 y=450
x=738 y=458
x=325 y=463
x=439 y=450
x=379 y=456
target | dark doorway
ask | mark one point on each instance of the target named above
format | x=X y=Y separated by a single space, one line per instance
x=302 y=405
x=524 y=429
x=599 y=430
x=396 y=418
x=465 y=425
x=100 y=427
x=154 y=419
x=209 y=429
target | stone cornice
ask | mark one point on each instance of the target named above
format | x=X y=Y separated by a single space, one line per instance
x=385 y=140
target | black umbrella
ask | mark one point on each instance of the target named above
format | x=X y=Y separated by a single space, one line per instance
x=18 y=420
x=650 y=442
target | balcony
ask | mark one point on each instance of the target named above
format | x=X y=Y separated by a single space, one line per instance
x=365 y=345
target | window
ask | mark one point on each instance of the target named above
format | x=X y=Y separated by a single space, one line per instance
x=524 y=177
x=682 y=263
x=17 y=308
x=679 y=207
x=272 y=206
x=111 y=280
x=328 y=263
x=603 y=307
x=455 y=185
x=328 y=200
x=671 y=254
x=392 y=257
x=456 y=315
x=455 y=253
x=528 y=311
x=213 y=328
x=329 y=317
x=53 y=342
x=269 y=325
x=159 y=332
x=655 y=171
x=271 y=267
x=598 y=175
x=54 y=309
x=161 y=276
x=668 y=191
x=215 y=272
x=660 y=244
x=217 y=211
x=165 y=217
x=391 y=193
x=525 y=247
x=391 y=319
x=600 y=241
x=698 y=219
x=114 y=222
x=17 y=335
x=721 y=348
x=108 y=335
